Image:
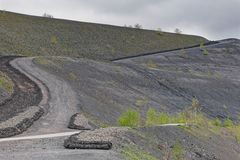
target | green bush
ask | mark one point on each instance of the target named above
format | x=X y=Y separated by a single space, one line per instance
x=217 y=122
x=164 y=118
x=134 y=153
x=6 y=83
x=131 y=118
x=178 y=152
x=152 y=116
x=228 y=123
x=203 y=49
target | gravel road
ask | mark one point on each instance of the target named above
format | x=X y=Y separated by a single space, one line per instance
x=62 y=105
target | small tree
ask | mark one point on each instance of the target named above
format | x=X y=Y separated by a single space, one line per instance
x=47 y=15
x=159 y=32
x=178 y=31
x=138 y=26
x=178 y=152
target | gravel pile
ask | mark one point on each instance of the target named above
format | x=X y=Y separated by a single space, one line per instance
x=79 y=121
x=104 y=138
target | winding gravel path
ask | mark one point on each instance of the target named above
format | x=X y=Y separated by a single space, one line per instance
x=61 y=106
x=62 y=103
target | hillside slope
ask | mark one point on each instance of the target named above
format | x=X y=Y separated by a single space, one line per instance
x=166 y=82
x=29 y=35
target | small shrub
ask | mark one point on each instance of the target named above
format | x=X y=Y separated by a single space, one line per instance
x=53 y=40
x=164 y=118
x=151 y=65
x=160 y=32
x=131 y=118
x=152 y=116
x=181 y=118
x=141 y=101
x=47 y=15
x=228 y=123
x=6 y=83
x=138 y=26
x=217 y=122
x=178 y=31
x=134 y=153
x=72 y=76
x=178 y=152
x=203 y=49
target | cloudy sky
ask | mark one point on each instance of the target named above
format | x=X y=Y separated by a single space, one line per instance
x=214 y=19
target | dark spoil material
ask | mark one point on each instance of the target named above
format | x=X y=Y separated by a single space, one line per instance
x=74 y=143
x=21 y=126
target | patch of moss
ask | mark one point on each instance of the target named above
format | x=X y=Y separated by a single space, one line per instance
x=134 y=153
x=6 y=83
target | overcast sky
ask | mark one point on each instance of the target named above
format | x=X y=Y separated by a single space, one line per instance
x=214 y=19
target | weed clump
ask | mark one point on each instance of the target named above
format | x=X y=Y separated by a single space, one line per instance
x=6 y=83
x=228 y=123
x=134 y=153
x=203 y=49
x=178 y=152
x=131 y=118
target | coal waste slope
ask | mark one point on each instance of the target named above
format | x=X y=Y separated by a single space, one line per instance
x=166 y=81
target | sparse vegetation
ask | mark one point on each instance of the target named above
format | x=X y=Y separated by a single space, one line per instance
x=203 y=49
x=138 y=26
x=192 y=115
x=228 y=123
x=134 y=153
x=131 y=118
x=6 y=83
x=141 y=101
x=53 y=40
x=178 y=31
x=151 y=65
x=72 y=76
x=31 y=36
x=42 y=61
x=47 y=15
x=160 y=32
x=178 y=152
x=152 y=117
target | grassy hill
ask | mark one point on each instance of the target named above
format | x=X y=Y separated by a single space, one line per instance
x=30 y=35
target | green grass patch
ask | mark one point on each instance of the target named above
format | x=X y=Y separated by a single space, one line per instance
x=151 y=65
x=134 y=153
x=72 y=76
x=130 y=118
x=42 y=61
x=6 y=83
x=203 y=49
x=196 y=122
x=178 y=152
